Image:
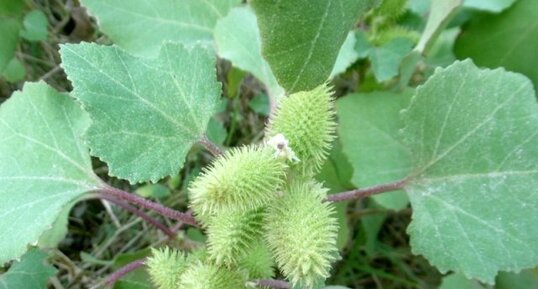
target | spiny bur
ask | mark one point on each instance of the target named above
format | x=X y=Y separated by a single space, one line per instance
x=243 y=179
x=231 y=235
x=258 y=262
x=207 y=276
x=306 y=120
x=165 y=266
x=301 y=232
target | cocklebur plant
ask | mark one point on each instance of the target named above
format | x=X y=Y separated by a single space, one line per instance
x=259 y=199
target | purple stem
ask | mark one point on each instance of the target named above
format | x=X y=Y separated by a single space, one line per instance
x=214 y=149
x=366 y=192
x=112 y=278
x=146 y=204
x=277 y=284
x=139 y=213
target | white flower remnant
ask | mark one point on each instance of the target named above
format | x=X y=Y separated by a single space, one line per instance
x=282 y=149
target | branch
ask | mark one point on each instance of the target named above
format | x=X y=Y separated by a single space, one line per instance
x=112 y=278
x=272 y=283
x=140 y=214
x=147 y=204
x=366 y=192
x=214 y=149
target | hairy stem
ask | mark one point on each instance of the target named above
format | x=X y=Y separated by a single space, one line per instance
x=366 y=192
x=140 y=214
x=272 y=283
x=146 y=204
x=214 y=149
x=112 y=278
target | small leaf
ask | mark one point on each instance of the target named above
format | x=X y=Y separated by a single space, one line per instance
x=522 y=280
x=346 y=56
x=441 y=12
x=386 y=59
x=473 y=137
x=31 y=271
x=156 y=191
x=45 y=164
x=146 y=113
x=458 y=281
x=14 y=71
x=9 y=29
x=369 y=125
x=35 y=26
x=141 y=26
x=301 y=38
x=508 y=40
x=238 y=40
x=260 y=104
x=488 y=5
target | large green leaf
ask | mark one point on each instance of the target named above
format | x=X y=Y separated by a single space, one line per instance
x=45 y=164
x=146 y=113
x=141 y=26
x=509 y=39
x=31 y=272
x=368 y=130
x=238 y=40
x=301 y=38
x=473 y=135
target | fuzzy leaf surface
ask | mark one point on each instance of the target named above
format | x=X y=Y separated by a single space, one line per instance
x=301 y=38
x=369 y=124
x=141 y=26
x=473 y=135
x=45 y=164
x=238 y=40
x=146 y=113
x=509 y=39
x=30 y=272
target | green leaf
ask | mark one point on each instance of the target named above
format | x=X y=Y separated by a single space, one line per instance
x=386 y=59
x=31 y=271
x=522 y=280
x=260 y=104
x=9 y=29
x=347 y=55
x=369 y=125
x=473 y=137
x=441 y=12
x=489 y=5
x=35 y=26
x=141 y=26
x=53 y=236
x=146 y=113
x=45 y=164
x=509 y=39
x=301 y=38
x=156 y=191
x=458 y=281
x=14 y=71
x=238 y=40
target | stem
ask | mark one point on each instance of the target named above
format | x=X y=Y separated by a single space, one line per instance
x=140 y=214
x=112 y=278
x=277 y=284
x=214 y=149
x=366 y=192
x=146 y=204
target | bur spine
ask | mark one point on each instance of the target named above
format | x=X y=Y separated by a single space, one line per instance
x=207 y=276
x=302 y=232
x=306 y=120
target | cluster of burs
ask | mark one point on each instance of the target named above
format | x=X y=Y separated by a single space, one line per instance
x=261 y=207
